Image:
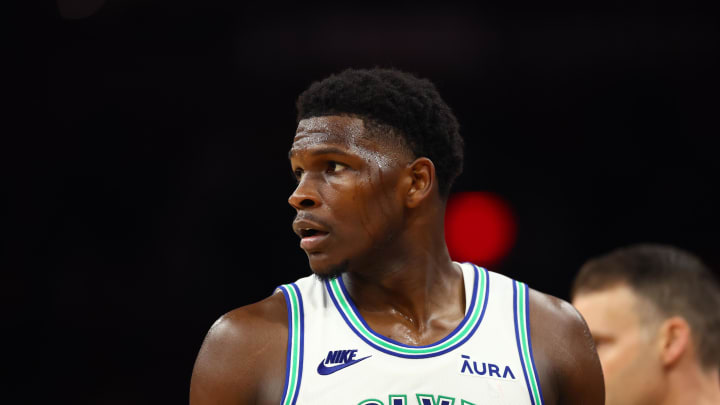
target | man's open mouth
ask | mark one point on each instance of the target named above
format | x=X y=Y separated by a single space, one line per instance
x=309 y=232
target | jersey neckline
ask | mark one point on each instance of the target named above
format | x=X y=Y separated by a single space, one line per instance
x=473 y=317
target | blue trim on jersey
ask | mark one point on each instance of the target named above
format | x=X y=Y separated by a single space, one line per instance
x=301 y=320
x=469 y=313
x=529 y=340
x=387 y=339
x=288 y=305
x=302 y=340
x=519 y=346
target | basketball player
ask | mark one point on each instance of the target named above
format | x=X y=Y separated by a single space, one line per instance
x=388 y=318
x=654 y=312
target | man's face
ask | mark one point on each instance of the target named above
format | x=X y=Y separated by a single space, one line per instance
x=347 y=200
x=625 y=344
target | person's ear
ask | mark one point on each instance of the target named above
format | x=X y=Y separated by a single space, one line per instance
x=674 y=340
x=421 y=174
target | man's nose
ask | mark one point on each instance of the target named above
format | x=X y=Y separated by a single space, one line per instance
x=305 y=196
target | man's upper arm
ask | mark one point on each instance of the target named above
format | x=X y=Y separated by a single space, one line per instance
x=242 y=360
x=565 y=350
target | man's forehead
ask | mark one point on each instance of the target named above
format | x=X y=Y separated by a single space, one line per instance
x=612 y=307
x=332 y=126
x=349 y=134
x=333 y=130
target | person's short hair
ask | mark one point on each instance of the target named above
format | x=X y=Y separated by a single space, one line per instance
x=394 y=101
x=674 y=281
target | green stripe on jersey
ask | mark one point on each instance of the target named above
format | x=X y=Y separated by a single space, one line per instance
x=523 y=325
x=294 y=349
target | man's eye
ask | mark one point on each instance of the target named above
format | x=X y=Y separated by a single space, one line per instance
x=335 y=167
x=298 y=174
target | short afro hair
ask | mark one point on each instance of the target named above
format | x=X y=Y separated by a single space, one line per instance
x=411 y=106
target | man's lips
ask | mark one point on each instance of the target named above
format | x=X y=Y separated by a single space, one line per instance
x=311 y=233
x=309 y=243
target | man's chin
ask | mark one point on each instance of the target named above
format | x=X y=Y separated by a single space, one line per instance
x=328 y=272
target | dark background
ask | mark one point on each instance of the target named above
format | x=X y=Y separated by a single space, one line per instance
x=149 y=175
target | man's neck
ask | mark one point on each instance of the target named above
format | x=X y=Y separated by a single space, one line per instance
x=693 y=386
x=408 y=287
x=417 y=285
x=396 y=281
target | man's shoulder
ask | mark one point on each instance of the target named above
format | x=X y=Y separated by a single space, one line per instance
x=260 y=322
x=558 y=328
x=554 y=312
x=270 y=310
x=564 y=351
x=249 y=324
x=243 y=355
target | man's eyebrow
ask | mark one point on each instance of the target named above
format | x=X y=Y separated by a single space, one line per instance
x=321 y=151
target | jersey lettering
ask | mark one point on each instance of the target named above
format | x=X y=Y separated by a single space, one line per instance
x=340 y=356
x=422 y=399
x=489 y=369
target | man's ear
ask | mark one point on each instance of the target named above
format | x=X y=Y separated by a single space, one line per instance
x=675 y=340
x=422 y=180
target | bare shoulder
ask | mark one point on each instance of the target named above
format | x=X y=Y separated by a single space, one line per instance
x=242 y=359
x=565 y=356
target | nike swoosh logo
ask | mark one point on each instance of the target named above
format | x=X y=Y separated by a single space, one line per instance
x=324 y=370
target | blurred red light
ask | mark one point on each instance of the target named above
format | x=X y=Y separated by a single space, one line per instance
x=479 y=227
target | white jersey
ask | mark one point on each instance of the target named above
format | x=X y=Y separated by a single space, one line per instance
x=334 y=357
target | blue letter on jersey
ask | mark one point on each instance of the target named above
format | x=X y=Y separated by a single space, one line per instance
x=340 y=359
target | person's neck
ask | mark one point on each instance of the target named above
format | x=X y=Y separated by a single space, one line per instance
x=693 y=385
x=415 y=278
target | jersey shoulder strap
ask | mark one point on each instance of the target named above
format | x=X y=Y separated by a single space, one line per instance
x=296 y=329
x=522 y=338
